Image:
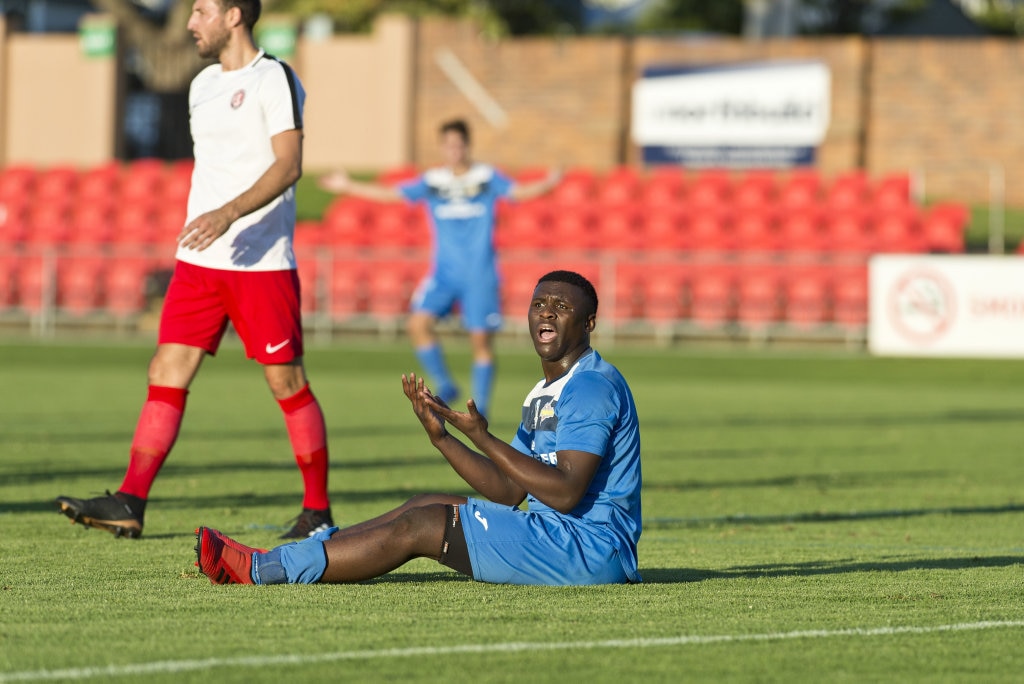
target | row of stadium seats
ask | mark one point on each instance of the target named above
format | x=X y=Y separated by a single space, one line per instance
x=636 y=228
x=710 y=293
x=143 y=202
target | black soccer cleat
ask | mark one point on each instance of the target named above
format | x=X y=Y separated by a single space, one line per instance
x=111 y=513
x=309 y=522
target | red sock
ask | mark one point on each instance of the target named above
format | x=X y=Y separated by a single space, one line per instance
x=155 y=434
x=308 y=434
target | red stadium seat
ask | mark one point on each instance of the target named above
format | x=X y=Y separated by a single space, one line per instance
x=664 y=189
x=806 y=295
x=56 y=184
x=99 y=184
x=619 y=187
x=348 y=222
x=754 y=190
x=14 y=213
x=892 y=191
x=621 y=228
x=850 y=296
x=91 y=222
x=712 y=300
x=709 y=229
x=847 y=231
x=36 y=284
x=666 y=229
x=346 y=288
x=943 y=226
x=896 y=230
x=134 y=222
x=80 y=284
x=143 y=179
x=9 y=266
x=710 y=189
x=311 y=288
x=48 y=223
x=848 y=190
x=800 y=230
x=575 y=227
x=664 y=292
x=524 y=225
x=758 y=296
x=800 y=189
x=754 y=229
x=390 y=287
x=578 y=188
x=124 y=284
x=17 y=182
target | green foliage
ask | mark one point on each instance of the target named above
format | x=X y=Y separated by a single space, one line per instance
x=784 y=492
x=495 y=17
x=725 y=16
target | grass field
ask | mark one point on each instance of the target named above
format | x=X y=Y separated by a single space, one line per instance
x=809 y=516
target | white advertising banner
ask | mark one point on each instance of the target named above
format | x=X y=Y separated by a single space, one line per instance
x=956 y=306
x=768 y=105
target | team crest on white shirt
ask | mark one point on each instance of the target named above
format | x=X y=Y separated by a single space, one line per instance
x=237 y=99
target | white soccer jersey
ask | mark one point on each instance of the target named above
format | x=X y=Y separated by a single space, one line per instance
x=233 y=115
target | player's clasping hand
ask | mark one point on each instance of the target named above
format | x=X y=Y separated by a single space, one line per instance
x=203 y=230
x=423 y=405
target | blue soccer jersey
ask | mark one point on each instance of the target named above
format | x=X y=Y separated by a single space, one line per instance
x=462 y=215
x=590 y=408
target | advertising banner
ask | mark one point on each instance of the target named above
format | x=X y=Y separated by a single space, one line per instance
x=956 y=306
x=761 y=114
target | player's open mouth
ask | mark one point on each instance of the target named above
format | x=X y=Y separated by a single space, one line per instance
x=546 y=333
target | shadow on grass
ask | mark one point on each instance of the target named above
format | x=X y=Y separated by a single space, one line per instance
x=34 y=437
x=286 y=462
x=830 y=567
x=821 y=481
x=821 y=516
x=788 y=420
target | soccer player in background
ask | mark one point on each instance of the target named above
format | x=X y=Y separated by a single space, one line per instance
x=234 y=262
x=461 y=198
x=575 y=459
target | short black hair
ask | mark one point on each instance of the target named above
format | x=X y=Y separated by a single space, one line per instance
x=573 y=278
x=250 y=10
x=456 y=126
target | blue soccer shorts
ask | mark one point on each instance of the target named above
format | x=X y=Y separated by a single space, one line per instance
x=510 y=546
x=479 y=301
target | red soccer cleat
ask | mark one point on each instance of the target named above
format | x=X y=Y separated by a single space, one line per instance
x=222 y=559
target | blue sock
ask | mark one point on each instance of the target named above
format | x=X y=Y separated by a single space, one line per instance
x=483 y=382
x=433 y=363
x=301 y=562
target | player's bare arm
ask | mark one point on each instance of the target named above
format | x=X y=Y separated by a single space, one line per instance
x=561 y=487
x=340 y=183
x=478 y=471
x=282 y=174
x=526 y=191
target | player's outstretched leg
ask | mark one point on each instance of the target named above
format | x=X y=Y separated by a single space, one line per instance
x=119 y=514
x=431 y=358
x=226 y=561
x=222 y=559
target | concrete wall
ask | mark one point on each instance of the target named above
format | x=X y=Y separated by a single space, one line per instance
x=554 y=101
x=952 y=108
x=359 y=94
x=60 y=107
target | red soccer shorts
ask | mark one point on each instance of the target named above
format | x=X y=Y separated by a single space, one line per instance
x=262 y=305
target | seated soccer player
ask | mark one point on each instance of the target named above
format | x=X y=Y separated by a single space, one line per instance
x=575 y=460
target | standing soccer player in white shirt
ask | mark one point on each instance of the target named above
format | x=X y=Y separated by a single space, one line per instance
x=234 y=263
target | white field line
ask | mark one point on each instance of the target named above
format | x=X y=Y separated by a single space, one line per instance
x=178 y=666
